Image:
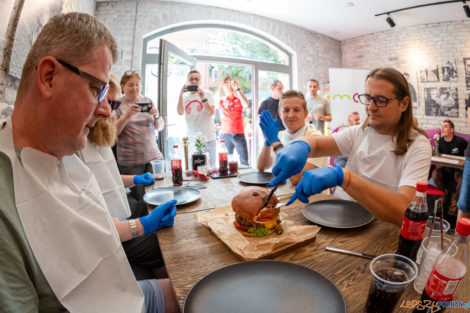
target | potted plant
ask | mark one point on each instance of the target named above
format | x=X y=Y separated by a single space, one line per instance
x=199 y=158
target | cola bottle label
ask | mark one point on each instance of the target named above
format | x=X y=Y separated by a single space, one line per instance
x=440 y=287
x=223 y=156
x=413 y=230
x=175 y=164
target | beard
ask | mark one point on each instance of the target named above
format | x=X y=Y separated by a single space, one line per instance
x=104 y=132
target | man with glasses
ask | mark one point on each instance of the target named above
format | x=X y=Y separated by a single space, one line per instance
x=387 y=154
x=59 y=248
x=198 y=108
x=318 y=107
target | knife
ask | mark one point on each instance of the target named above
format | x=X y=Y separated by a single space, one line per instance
x=269 y=196
x=361 y=254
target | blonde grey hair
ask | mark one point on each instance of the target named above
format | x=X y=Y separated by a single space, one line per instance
x=114 y=84
x=72 y=37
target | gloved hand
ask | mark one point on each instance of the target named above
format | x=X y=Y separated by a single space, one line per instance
x=290 y=161
x=269 y=127
x=162 y=216
x=144 y=179
x=315 y=181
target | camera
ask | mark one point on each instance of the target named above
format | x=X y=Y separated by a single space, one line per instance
x=145 y=107
x=192 y=87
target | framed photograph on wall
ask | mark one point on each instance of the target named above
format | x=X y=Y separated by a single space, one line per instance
x=449 y=71
x=441 y=102
x=411 y=79
x=429 y=74
x=466 y=66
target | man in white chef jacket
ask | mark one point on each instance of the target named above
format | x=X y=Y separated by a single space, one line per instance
x=58 y=245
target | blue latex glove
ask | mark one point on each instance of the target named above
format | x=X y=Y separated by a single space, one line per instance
x=144 y=179
x=162 y=216
x=315 y=181
x=269 y=127
x=290 y=161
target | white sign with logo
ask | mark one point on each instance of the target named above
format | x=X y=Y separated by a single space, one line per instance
x=345 y=85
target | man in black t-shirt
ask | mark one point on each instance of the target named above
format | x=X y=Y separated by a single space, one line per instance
x=449 y=143
x=449 y=179
x=271 y=103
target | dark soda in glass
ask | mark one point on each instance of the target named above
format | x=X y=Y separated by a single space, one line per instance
x=383 y=301
x=233 y=167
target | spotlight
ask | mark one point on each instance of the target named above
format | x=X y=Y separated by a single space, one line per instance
x=391 y=22
x=467 y=10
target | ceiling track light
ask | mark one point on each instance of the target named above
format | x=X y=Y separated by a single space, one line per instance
x=466 y=9
x=390 y=21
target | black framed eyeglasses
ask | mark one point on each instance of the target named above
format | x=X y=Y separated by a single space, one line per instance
x=115 y=104
x=105 y=86
x=380 y=101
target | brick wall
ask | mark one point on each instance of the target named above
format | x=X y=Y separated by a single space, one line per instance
x=315 y=53
x=408 y=49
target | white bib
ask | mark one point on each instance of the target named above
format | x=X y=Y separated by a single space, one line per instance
x=70 y=231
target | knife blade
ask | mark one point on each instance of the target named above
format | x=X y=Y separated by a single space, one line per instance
x=270 y=195
x=355 y=253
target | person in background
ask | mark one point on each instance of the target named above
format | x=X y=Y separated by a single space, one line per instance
x=143 y=252
x=353 y=119
x=231 y=108
x=449 y=179
x=198 y=109
x=293 y=108
x=386 y=140
x=136 y=142
x=464 y=198
x=318 y=107
x=60 y=249
x=271 y=104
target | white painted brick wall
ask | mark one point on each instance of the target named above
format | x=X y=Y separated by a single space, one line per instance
x=409 y=48
x=315 y=52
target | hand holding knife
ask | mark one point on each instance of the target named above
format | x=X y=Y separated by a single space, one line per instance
x=270 y=195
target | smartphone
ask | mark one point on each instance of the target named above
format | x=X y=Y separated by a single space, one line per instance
x=192 y=87
x=145 y=107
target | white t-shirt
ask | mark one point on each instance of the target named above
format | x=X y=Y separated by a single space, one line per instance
x=318 y=105
x=287 y=138
x=371 y=156
x=198 y=119
x=101 y=161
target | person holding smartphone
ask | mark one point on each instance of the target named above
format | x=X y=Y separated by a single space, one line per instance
x=197 y=105
x=231 y=108
x=136 y=141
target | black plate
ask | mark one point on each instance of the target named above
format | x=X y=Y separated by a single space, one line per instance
x=337 y=214
x=264 y=286
x=182 y=195
x=256 y=178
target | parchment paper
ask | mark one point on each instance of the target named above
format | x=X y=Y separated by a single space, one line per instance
x=220 y=221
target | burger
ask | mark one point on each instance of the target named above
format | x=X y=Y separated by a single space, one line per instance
x=252 y=218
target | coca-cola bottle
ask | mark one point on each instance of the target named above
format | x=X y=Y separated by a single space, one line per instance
x=414 y=224
x=176 y=167
x=223 y=159
x=449 y=269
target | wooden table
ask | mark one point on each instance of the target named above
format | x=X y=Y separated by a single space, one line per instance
x=448 y=161
x=191 y=250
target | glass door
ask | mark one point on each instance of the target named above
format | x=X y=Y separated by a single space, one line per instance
x=174 y=66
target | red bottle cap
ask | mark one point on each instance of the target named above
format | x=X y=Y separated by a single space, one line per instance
x=175 y=147
x=463 y=227
x=421 y=187
x=222 y=141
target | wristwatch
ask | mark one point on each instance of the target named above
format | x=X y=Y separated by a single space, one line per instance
x=134 y=229
x=277 y=147
x=204 y=100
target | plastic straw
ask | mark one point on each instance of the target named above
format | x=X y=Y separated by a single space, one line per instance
x=436 y=204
